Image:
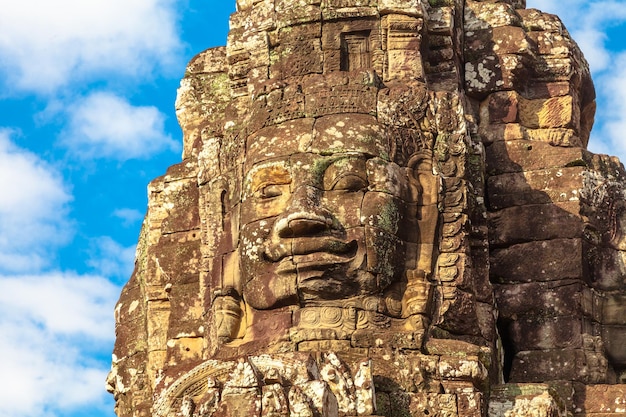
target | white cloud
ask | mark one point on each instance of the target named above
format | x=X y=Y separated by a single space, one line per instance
x=47 y=44
x=128 y=216
x=612 y=115
x=589 y=23
x=111 y=259
x=104 y=125
x=52 y=325
x=592 y=42
x=33 y=208
x=62 y=304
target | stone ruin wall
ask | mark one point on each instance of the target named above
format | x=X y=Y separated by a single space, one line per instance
x=526 y=298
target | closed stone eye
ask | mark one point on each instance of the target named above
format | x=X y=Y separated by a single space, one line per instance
x=349 y=182
x=346 y=174
x=269 y=191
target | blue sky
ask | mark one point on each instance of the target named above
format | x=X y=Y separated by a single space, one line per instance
x=86 y=121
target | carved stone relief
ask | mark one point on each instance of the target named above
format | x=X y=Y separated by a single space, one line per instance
x=385 y=208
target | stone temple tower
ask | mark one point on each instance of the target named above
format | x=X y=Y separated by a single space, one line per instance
x=384 y=208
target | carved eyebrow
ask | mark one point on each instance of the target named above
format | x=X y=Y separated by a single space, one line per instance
x=344 y=159
x=267 y=175
x=348 y=167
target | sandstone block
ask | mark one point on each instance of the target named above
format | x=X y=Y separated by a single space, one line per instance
x=411 y=7
x=535 y=222
x=489 y=73
x=550 y=43
x=157 y=313
x=570 y=364
x=614 y=338
x=479 y=15
x=265 y=144
x=438 y=405
x=545 y=332
x=549 y=89
x=184 y=350
x=177 y=257
x=557 y=69
x=304 y=11
x=569 y=298
x=526 y=155
x=471 y=404
x=187 y=321
x=514 y=131
x=614 y=308
x=555 y=112
x=535 y=20
x=600 y=400
x=135 y=339
x=500 y=107
x=470 y=369
x=185 y=215
x=609 y=268
x=458 y=312
x=295 y=43
x=553 y=260
x=501 y=39
x=535 y=187
x=524 y=400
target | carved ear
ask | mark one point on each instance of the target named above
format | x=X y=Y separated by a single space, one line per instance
x=228 y=314
x=425 y=189
x=617 y=225
x=425 y=186
x=234 y=308
x=421 y=176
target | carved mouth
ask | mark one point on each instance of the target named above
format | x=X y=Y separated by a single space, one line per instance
x=323 y=244
x=315 y=254
x=309 y=245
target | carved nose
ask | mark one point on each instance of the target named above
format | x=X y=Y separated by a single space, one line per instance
x=303 y=217
x=303 y=226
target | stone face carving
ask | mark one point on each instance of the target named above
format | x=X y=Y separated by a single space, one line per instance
x=329 y=216
x=384 y=208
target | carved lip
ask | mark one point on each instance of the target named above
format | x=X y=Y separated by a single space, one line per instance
x=316 y=254
x=310 y=245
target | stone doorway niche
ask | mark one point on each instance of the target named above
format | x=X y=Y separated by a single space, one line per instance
x=355 y=51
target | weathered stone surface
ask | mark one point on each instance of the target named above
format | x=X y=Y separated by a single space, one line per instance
x=568 y=298
x=525 y=400
x=518 y=224
x=525 y=155
x=535 y=187
x=384 y=208
x=549 y=262
x=600 y=400
x=587 y=366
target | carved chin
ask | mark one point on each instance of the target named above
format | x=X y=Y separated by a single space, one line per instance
x=335 y=284
x=272 y=290
x=329 y=288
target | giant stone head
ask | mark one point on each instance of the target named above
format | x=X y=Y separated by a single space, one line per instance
x=337 y=210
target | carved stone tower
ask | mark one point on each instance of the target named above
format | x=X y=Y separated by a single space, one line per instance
x=384 y=208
